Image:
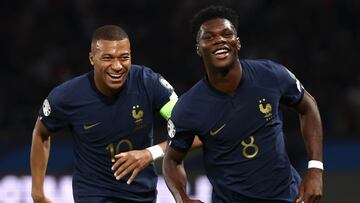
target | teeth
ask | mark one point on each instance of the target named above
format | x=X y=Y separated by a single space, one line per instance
x=114 y=75
x=221 y=51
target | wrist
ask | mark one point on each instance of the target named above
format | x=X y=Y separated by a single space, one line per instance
x=316 y=164
x=37 y=196
x=156 y=152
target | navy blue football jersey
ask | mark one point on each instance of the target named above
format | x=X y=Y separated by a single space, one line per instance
x=102 y=127
x=244 y=150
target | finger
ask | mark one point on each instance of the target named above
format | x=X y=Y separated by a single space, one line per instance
x=123 y=167
x=318 y=198
x=132 y=177
x=117 y=163
x=120 y=155
x=125 y=163
x=313 y=199
x=300 y=198
x=126 y=171
x=307 y=198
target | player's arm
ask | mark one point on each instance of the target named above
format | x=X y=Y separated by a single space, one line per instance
x=136 y=160
x=175 y=175
x=165 y=112
x=311 y=127
x=40 y=150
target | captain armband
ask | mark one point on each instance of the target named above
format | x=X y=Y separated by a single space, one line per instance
x=316 y=164
x=156 y=152
x=165 y=111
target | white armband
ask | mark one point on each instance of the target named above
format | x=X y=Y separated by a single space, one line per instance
x=315 y=164
x=156 y=151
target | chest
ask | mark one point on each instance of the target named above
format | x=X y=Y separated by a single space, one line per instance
x=99 y=121
x=236 y=118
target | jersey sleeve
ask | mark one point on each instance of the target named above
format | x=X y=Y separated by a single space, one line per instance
x=181 y=140
x=160 y=91
x=292 y=91
x=51 y=113
x=180 y=128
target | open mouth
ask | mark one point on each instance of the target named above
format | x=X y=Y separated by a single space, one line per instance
x=115 y=76
x=221 y=53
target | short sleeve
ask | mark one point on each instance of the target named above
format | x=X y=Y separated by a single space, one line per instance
x=181 y=140
x=157 y=87
x=51 y=113
x=292 y=91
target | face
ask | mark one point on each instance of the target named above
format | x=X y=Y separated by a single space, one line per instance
x=218 y=44
x=112 y=62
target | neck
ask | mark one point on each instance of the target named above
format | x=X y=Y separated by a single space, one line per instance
x=226 y=81
x=100 y=86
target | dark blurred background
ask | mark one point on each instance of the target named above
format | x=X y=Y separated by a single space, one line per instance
x=46 y=42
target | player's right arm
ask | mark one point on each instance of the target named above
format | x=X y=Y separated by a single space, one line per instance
x=40 y=150
x=175 y=175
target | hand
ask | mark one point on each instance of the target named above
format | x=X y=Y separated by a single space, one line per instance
x=186 y=199
x=311 y=187
x=42 y=199
x=192 y=201
x=132 y=161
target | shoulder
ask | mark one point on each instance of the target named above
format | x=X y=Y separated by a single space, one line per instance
x=142 y=73
x=260 y=69
x=69 y=88
x=264 y=65
x=148 y=77
x=141 y=70
x=189 y=100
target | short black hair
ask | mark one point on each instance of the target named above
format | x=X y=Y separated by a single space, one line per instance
x=210 y=13
x=109 y=32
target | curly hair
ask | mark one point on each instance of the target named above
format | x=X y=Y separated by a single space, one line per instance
x=210 y=13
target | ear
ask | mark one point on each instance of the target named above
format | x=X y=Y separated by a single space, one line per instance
x=238 y=44
x=91 y=58
x=197 y=50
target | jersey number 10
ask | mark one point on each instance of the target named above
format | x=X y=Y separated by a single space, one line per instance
x=112 y=151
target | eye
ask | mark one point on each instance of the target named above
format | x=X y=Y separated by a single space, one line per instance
x=106 y=58
x=125 y=58
x=207 y=37
x=228 y=35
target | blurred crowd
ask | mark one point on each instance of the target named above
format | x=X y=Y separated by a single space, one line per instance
x=46 y=42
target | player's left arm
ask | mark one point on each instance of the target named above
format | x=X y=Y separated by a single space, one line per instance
x=312 y=184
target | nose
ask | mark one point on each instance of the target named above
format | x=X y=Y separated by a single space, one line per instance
x=117 y=65
x=219 y=39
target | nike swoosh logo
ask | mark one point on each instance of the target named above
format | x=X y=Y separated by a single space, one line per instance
x=87 y=127
x=213 y=133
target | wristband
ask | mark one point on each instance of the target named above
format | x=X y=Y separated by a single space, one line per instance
x=315 y=164
x=156 y=151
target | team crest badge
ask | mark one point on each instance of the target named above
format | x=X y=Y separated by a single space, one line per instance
x=266 y=109
x=171 y=128
x=46 y=108
x=137 y=114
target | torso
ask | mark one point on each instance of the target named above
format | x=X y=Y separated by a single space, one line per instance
x=243 y=140
x=102 y=127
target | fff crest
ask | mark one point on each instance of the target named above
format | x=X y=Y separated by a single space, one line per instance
x=266 y=110
x=137 y=114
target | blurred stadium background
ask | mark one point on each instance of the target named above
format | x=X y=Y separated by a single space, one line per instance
x=46 y=42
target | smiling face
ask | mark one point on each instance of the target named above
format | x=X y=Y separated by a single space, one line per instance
x=218 y=44
x=112 y=63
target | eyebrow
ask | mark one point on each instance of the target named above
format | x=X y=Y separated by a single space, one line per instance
x=111 y=55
